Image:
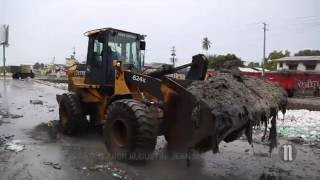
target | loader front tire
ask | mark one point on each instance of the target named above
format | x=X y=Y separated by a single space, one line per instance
x=72 y=120
x=129 y=130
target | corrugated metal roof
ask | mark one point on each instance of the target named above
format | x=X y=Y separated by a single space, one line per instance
x=300 y=58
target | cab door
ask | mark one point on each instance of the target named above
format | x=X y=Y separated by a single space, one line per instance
x=96 y=60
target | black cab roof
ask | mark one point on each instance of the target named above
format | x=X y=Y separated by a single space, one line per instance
x=95 y=31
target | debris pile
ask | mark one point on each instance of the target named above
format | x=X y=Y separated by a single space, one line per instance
x=302 y=123
x=239 y=103
x=46 y=131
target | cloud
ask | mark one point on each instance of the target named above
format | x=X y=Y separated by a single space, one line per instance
x=42 y=29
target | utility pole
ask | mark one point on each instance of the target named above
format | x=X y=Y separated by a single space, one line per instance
x=4 y=41
x=173 y=54
x=74 y=52
x=264 y=47
x=4 y=61
x=173 y=58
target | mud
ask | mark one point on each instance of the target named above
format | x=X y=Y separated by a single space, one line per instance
x=240 y=103
x=46 y=132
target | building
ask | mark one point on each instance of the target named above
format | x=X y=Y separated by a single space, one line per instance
x=299 y=63
x=71 y=61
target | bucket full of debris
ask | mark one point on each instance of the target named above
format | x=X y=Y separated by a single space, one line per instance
x=201 y=114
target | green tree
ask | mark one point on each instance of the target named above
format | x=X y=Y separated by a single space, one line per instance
x=227 y=61
x=206 y=44
x=36 y=65
x=308 y=52
x=253 y=64
x=271 y=64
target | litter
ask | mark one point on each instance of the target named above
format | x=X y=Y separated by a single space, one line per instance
x=15 y=146
x=36 y=102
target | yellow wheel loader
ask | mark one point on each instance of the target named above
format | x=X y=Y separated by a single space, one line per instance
x=134 y=106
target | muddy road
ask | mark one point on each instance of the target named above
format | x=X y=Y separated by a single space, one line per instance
x=27 y=107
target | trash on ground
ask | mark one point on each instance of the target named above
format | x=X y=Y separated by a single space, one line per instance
x=36 y=102
x=16 y=116
x=5 y=138
x=99 y=167
x=116 y=176
x=54 y=165
x=300 y=123
x=4 y=113
x=14 y=145
x=45 y=131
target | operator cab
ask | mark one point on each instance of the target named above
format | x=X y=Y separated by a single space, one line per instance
x=108 y=44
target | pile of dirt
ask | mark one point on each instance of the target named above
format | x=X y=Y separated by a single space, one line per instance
x=239 y=103
x=46 y=132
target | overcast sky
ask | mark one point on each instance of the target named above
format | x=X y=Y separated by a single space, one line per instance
x=42 y=29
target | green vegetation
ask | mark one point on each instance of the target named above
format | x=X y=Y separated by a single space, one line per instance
x=253 y=64
x=227 y=61
x=308 y=52
x=38 y=66
x=206 y=44
x=272 y=64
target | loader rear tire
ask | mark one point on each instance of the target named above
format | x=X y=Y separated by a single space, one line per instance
x=72 y=120
x=129 y=130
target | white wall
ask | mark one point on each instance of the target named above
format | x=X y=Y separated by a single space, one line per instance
x=301 y=67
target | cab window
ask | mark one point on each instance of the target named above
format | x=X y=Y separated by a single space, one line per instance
x=124 y=47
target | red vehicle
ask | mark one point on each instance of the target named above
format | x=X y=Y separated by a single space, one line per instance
x=294 y=82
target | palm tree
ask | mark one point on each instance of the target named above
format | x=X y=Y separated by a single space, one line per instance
x=206 y=44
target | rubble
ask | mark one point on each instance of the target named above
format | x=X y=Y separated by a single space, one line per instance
x=4 y=115
x=16 y=116
x=98 y=167
x=14 y=145
x=115 y=172
x=5 y=138
x=46 y=131
x=240 y=103
x=36 y=102
x=54 y=165
x=301 y=123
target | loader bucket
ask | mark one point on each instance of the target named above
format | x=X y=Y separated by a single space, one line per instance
x=188 y=120
x=200 y=114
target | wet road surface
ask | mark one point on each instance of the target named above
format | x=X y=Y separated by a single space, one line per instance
x=85 y=157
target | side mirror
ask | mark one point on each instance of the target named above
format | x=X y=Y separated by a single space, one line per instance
x=142 y=45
